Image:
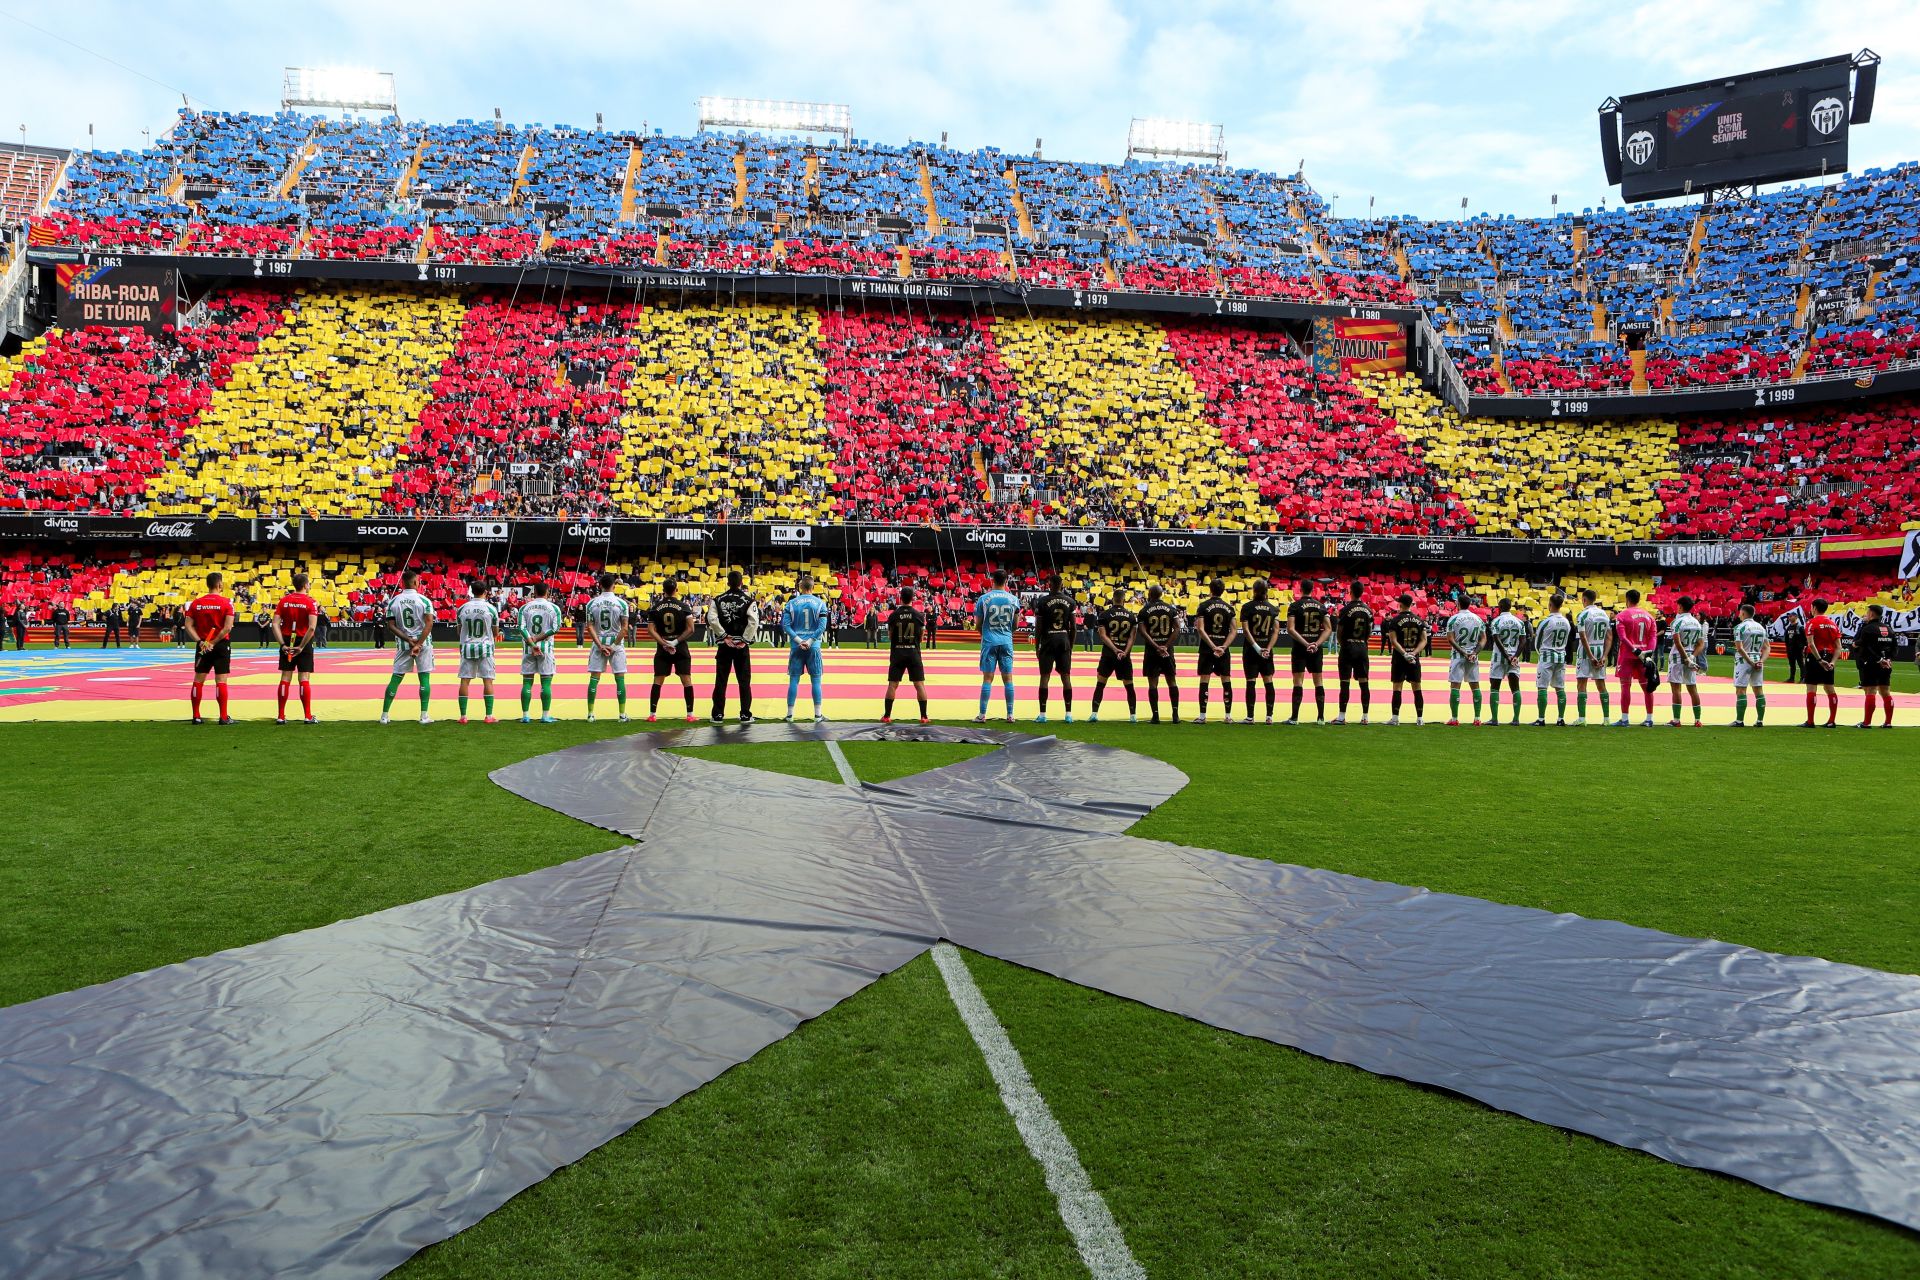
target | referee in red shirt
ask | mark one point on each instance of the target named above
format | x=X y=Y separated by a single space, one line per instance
x=296 y=623
x=210 y=620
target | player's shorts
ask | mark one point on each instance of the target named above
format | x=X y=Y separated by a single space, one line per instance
x=1158 y=664
x=1680 y=673
x=1215 y=664
x=1302 y=659
x=807 y=662
x=1503 y=667
x=1116 y=664
x=405 y=660
x=301 y=661
x=536 y=664
x=1255 y=663
x=675 y=661
x=1405 y=671
x=1355 y=663
x=1814 y=672
x=477 y=667
x=1875 y=676
x=598 y=661
x=1632 y=668
x=1056 y=654
x=906 y=664
x=1748 y=675
x=1550 y=675
x=996 y=656
x=214 y=661
x=1591 y=668
x=1463 y=668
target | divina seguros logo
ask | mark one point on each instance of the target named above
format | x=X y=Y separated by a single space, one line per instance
x=601 y=531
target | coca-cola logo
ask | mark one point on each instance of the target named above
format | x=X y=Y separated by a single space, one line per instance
x=176 y=529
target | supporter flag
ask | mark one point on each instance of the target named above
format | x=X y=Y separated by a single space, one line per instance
x=1360 y=346
x=39 y=233
x=1910 y=555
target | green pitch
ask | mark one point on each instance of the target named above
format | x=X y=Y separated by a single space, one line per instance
x=872 y=1142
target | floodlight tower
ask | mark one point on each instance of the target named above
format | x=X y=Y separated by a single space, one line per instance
x=769 y=116
x=1155 y=139
x=338 y=88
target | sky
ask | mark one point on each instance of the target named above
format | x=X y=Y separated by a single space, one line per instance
x=1413 y=104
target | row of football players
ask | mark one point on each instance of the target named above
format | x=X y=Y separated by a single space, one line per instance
x=1598 y=642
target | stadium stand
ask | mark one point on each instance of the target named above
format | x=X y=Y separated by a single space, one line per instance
x=723 y=416
x=1811 y=280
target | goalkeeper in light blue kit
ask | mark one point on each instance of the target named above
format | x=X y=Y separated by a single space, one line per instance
x=996 y=612
x=805 y=622
x=539 y=623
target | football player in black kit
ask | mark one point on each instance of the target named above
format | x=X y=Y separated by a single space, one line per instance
x=906 y=632
x=1355 y=628
x=671 y=622
x=734 y=619
x=1160 y=623
x=1406 y=637
x=1117 y=631
x=1307 y=628
x=1053 y=623
x=1217 y=626
x=1873 y=659
x=1259 y=631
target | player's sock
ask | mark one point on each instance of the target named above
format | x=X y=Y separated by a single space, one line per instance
x=486 y=701
x=986 y=692
x=1476 y=702
x=1099 y=692
x=1581 y=705
x=923 y=710
x=1153 y=699
x=285 y=688
x=393 y=687
x=1833 y=705
x=1133 y=704
x=1226 y=701
x=306 y=698
x=1696 y=713
x=1493 y=693
x=526 y=694
x=1540 y=704
x=463 y=704
x=1739 y=706
x=1344 y=689
x=1043 y=697
x=1066 y=694
x=546 y=696
x=1320 y=701
x=653 y=699
x=1676 y=700
x=1453 y=704
x=1868 y=709
x=1810 y=696
x=1759 y=707
x=1560 y=696
x=886 y=709
x=1513 y=686
x=1173 y=698
x=1298 y=693
x=593 y=692
x=1007 y=691
x=1626 y=700
x=686 y=694
x=620 y=691
x=426 y=692
x=220 y=696
x=1605 y=710
x=1396 y=702
x=1249 y=697
x=1366 y=698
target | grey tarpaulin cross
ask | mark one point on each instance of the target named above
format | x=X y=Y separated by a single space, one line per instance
x=327 y=1103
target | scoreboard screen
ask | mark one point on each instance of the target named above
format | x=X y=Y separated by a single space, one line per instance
x=1767 y=127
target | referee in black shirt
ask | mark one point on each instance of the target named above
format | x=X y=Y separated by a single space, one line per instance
x=1873 y=659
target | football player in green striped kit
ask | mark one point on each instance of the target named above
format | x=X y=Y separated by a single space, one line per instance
x=609 y=622
x=1751 y=645
x=1593 y=632
x=1687 y=660
x=539 y=623
x=1550 y=659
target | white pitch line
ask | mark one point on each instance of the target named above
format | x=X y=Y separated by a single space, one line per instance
x=1084 y=1210
x=1082 y=1207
